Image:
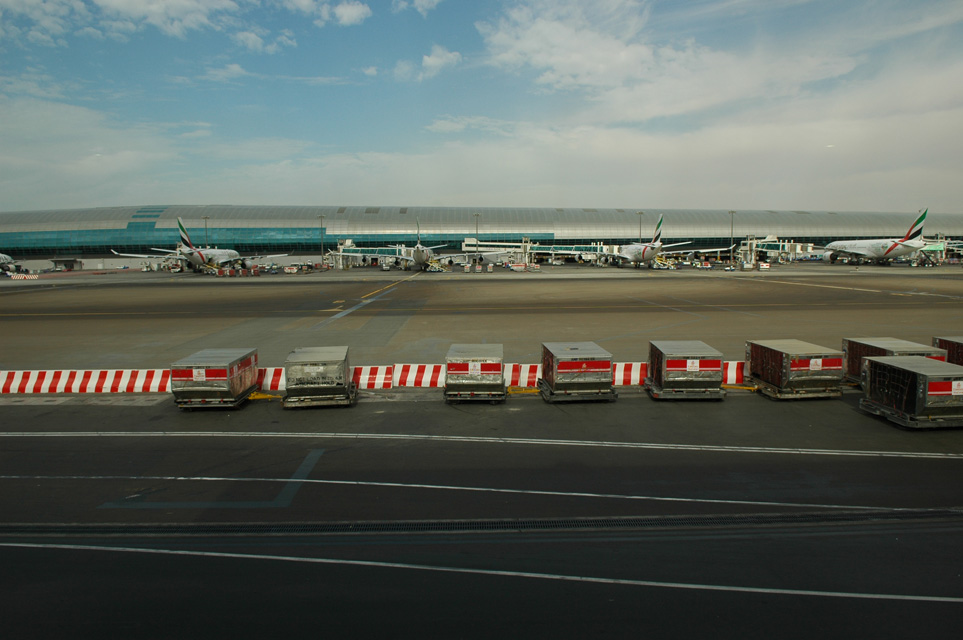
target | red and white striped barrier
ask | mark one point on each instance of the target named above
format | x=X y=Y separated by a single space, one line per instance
x=629 y=374
x=86 y=381
x=419 y=375
x=373 y=377
x=24 y=276
x=733 y=372
x=522 y=375
x=272 y=378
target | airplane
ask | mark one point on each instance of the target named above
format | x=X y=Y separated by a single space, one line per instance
x=8 y=264
x=646 y=252
x=206 y=258
x=419 y=256
x=879 y=250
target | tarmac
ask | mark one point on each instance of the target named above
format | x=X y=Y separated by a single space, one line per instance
x=404 y=516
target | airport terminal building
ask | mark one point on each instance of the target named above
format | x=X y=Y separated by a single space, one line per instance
x=304 y=229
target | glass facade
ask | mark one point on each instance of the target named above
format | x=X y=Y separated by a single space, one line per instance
x=280 y=229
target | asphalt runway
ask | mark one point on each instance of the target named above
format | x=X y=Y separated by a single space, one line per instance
x=407 y=517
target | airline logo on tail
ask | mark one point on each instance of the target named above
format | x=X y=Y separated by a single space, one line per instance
x=915 y=232
x=657 y=238
x=186 y=239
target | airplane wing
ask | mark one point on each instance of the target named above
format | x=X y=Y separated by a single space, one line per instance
x=691 y=250
x=164 y=256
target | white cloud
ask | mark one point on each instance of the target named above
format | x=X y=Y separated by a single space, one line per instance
x=439 y=59
x=421 y=6
x=227 y=73
x=351 y=13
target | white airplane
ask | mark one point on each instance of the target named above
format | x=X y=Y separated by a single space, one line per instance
x=646 y=252
x=206 y=258
x=419 y=256
x=880 y=250
x=7 y=263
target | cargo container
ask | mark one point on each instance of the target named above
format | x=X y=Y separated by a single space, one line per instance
x=318 y=376
x=685 y=370
x=914 y=391
x=953 y=346
x=475 y=372
x=214 y=378
x=576 y=371
x=855 y=349
x=791 y=369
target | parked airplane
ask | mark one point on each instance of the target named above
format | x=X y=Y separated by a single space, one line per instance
x=646 y=252
x=880 y=250
x=206 y=258
x=419 y=256
x=7 y=263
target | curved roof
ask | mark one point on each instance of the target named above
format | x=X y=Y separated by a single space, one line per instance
x=294 y=228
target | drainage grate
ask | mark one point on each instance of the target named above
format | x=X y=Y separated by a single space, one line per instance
x=490 y=526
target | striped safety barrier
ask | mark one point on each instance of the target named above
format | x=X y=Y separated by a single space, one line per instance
x=419 y=375
x=373 y=377
x=522 y=375
x=629 y=374
x=24 y=276
x=733 y=372
x=86 y=381
x=272 y=378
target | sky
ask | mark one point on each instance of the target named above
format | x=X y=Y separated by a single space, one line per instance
x=679 y=104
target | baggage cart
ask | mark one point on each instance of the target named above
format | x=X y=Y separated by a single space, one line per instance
x=793 y=369
x=953 y=346
x=573 y=371
x=317 y=377
x=855 y=349
x=214 y=378
x=475 y=372
x=684 y=370
x=914 y=391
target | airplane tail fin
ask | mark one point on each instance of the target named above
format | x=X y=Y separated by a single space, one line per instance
x=185 y=239
x=657 y=237
x=916 y=231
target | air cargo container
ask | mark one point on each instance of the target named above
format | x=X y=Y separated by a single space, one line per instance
x=855 y=349
x=914 y=391
x=214 y=378
x=318 y=376
x=953 y=346
x=475 y=372
x=791 y=369
x=576 y=371
x=684 y=369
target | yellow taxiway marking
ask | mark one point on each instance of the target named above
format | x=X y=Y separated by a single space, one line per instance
x=385 y=288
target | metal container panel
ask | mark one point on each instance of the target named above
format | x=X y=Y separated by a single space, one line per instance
x=953 y=346
x=475 y=367
x=794 y=364
x=576 y=366
x=856 y=349
x=916 y=386
x=682 y=364
x=317 y=371
x=215 y=375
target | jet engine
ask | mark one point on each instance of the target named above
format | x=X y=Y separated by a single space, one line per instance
x=248 y=264
x=829 y=257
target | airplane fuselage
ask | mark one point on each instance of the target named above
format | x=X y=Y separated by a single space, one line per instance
x=638 y=253
x=875 y=249
x=6 y=263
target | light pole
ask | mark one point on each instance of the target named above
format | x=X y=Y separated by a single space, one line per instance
x=641 y=213
x=732 y=217
x=476 y=236
x=206 y=242
x=321 y=218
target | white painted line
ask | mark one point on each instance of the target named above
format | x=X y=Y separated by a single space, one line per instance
x=497 y=573
x=487 y=440
x=437 y=487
